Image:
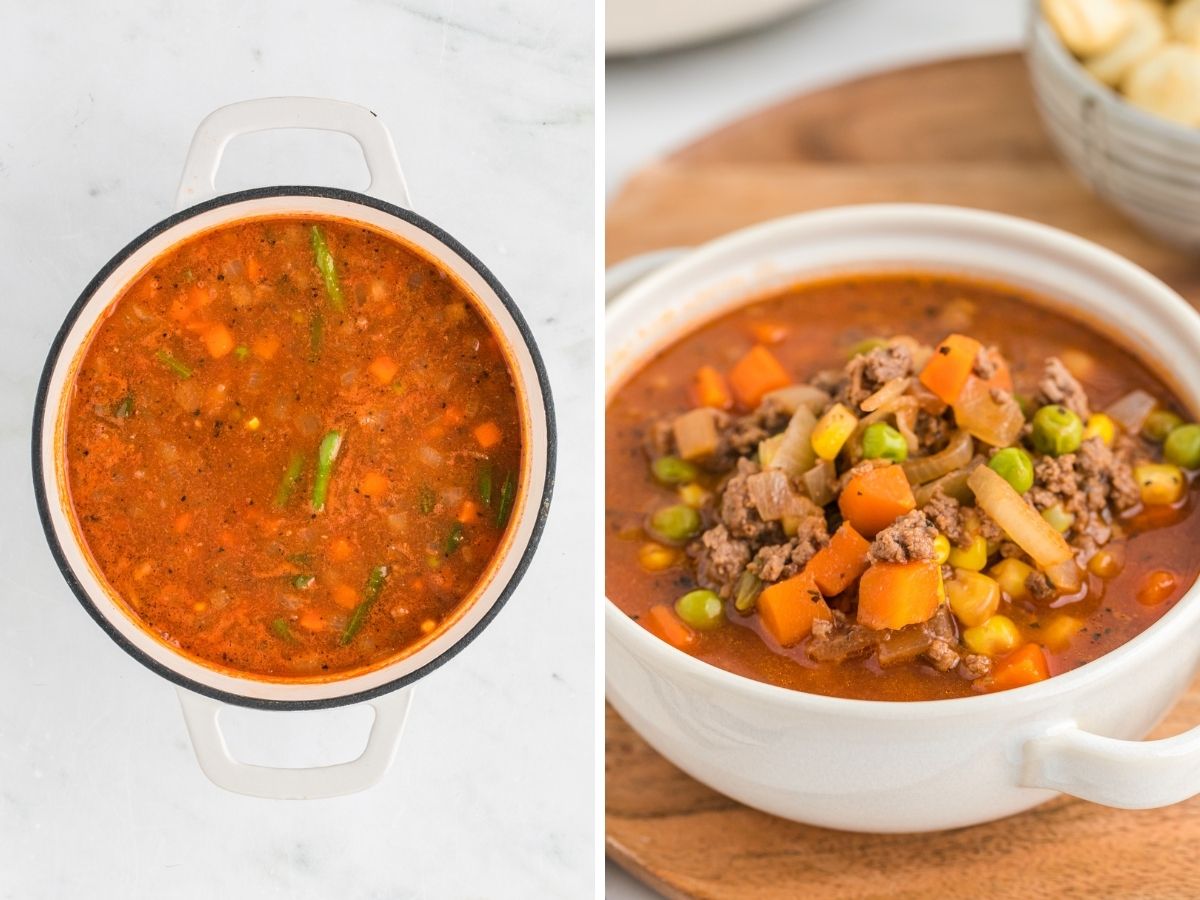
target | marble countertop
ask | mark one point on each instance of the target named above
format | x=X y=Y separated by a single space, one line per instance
x=657 y=103
x=491 y=794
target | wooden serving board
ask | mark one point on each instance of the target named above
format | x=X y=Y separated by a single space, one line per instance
x=964 y=132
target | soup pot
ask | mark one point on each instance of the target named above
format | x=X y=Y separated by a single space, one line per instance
x=915 y=766
x=385 y=206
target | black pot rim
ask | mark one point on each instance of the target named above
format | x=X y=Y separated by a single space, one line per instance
x=39 y=415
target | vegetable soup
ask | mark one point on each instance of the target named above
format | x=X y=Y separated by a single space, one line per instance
x=898 y=488
x=293 y=446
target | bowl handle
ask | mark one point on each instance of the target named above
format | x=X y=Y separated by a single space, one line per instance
x=200 y=715
x=269 y=113
x=1114 y=772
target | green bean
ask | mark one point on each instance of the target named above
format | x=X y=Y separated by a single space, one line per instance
x=124 y=407
x=173 y=364
x=291 y=477
x=485 y=484
x=324 y=260
x=455 y=538
x=881 y=441
x=326 y=454
x=303 y=581
x=370 y=594
x=746 y=590
x=282 y=630
x=428 y=500
x=673 y=470
x=316 y=336
x=508 y=491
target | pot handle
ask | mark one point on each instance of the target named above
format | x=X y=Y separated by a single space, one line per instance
x=270 y=113
x=1114 y=772
x=200 y=714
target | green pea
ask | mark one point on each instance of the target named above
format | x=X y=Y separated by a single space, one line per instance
x=1014 y=466
x=701 y=609
x=1159 y=424
x=866 y=345
x=1182 y=446
x=1056 y=430
x=675 y=523
x=673 y=470
x=881 y=441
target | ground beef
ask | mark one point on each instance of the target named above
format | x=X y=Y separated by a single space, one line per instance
x=1058 y=385
x=868 y=372
x=719 y=559
x=1039 y=587
x=908 y=539
x=1085 y=484
x=660 y=438
x=976 y=665
x=985 y=366
x=992 y=533
x=944 y=512
x=858 y=468
x=1101 y=465
x=933 y=432
x=943 y=655
x=737 y=512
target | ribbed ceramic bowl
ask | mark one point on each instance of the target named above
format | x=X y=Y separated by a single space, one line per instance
x=1146 y=166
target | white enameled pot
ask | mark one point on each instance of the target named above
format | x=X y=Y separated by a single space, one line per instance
x=384 y=206
x=905 y=767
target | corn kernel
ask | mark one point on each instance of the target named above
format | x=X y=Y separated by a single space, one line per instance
x=1107 y=562
x=1011 y=575
x=1060 y=520
x=252 y=423
x=1058 y=631
x=655 y=557
x=1161 y=483
x=427 y=626
x=996 y=636
x=1101 y=426
x=832 y=431
x=941 y=548
x=694 y=495
x=973 y=596
x=973 y=557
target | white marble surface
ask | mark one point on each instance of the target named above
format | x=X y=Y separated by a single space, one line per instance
x=492 y=791
x=655 y=104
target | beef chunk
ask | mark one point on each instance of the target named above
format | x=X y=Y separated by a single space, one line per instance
x=778 y=561
x=1058 y=385
x=842 y=643
x=737 y=511
x=946 y=515
x=719 y=559
x=908 y=539
x=1039 y=587
x=868 y=372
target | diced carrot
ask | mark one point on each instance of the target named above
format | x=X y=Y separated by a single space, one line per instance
x=841 y=562
x=254 y=270
x=662 y=622
x=1026 y=665
x=453 y=415
x=487 y=434
x=340 y=550
x=872 y=500
x=948 y=368
x=266 y=347
x=383 y=369
x=789 y=608
x=469 y=513
x=755 y=374
x=769 y=332
x=183 y=522
x=710 y=389
x=345 y=596
x=219 y=340
x=312 y=621
x=892 y=595
x=373 y=485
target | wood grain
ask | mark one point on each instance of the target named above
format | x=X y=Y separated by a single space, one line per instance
x=962 y=132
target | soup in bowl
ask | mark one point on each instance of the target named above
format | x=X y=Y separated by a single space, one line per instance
x=898 y=454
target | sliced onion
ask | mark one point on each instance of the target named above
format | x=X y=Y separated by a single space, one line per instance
x=695 y=433
x=794 y=396
x=1130 y=411
x=1026 y=528
x=773 y=496
x=795 y=454
x=953 y=485
x=821 y=482
x=890 y=391
x=955 y=455
x=995 y=422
